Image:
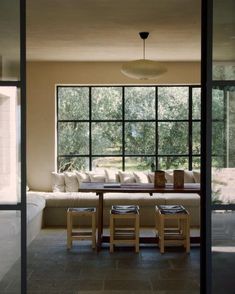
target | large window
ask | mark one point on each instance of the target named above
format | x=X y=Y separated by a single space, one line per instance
x=128 y=127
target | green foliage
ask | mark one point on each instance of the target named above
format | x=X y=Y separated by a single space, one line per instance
x=140 y=137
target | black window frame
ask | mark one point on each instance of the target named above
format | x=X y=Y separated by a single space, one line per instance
x=190 y=155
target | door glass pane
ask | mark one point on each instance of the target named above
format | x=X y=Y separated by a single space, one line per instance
x=9 y=145
x=224 y=40
x=223 y=149
x=10 y=244
x=9 y=40
x=223 y=252
x=73 y=103
x=173 y=102
x=139 y=103
x=106 y=102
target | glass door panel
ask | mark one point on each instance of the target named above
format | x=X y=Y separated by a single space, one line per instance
x=9 y=146
x=10 y=244
x=10 y=40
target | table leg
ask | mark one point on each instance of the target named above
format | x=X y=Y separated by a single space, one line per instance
x=100 y=221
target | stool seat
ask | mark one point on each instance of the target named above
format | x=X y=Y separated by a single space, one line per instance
x=77 y=234
x=125 y=209
x=82 y=209
x=127 y=235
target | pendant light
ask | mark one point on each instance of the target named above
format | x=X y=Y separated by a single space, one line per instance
x=143 y=69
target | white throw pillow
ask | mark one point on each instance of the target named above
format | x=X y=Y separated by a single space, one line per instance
x=97 y=177
x=58 y=182
x=197 y=176
x=71 y=182
x=126 y=177
x=82 y=177
x=111 y=175
x=141 y=177
x=188 y=176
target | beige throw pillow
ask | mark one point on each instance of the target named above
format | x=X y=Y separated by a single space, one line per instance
x=169 y=176
x=197 y=176
x=97 y=177
x=151 y=177
x=82 y=177
x=188 y=176
x=111 y=175
x=126 y=177
x=141 y=177
x=71 y=182
x=58 y=182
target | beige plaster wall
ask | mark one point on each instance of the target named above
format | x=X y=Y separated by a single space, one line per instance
x=41 y=115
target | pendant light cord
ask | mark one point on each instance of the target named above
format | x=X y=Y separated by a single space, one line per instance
x=143 y=48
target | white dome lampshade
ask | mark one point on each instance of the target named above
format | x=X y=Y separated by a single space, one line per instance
x=143 y=69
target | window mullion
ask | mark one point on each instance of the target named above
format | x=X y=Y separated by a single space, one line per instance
x=190 y=129
x=90 y=129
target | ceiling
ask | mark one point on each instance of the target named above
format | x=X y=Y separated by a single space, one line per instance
x=107 y=30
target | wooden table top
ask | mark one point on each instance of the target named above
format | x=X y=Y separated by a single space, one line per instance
x=138 y=188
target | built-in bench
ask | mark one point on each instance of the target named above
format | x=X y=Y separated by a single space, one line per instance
x=66 y=194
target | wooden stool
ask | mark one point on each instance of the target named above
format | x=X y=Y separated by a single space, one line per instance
x=128 y=235
x=81 y=235
x=173 y=236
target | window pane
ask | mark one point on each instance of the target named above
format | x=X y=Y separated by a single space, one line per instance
x=218 y=138
x=73 y=138
x=196 y=138
x=106 y=138
x=139 y=103
x=196 y=95
x=173 y=102
x=140 y=138
x=173 y=138
x=218 y=109
x=106 y=102
x=71 y=163
x=9 y=145
x=10 y=251
x=173 y=163
x=10 y=40
x=73 y=103
x=196 y=162
x=139 y=163
x=107 y=162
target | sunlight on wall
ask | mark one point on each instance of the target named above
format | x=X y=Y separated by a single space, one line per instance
x=8 y=145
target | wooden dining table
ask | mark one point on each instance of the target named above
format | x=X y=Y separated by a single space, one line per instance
x=101 y=188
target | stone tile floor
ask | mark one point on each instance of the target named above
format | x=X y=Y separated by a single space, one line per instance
x=54 y=269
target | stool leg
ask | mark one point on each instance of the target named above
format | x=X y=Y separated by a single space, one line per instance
x=111 y=229
x=161 y=234
x=137 y=233
x=93 y=231
x=188 y=234
x=69 y=230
